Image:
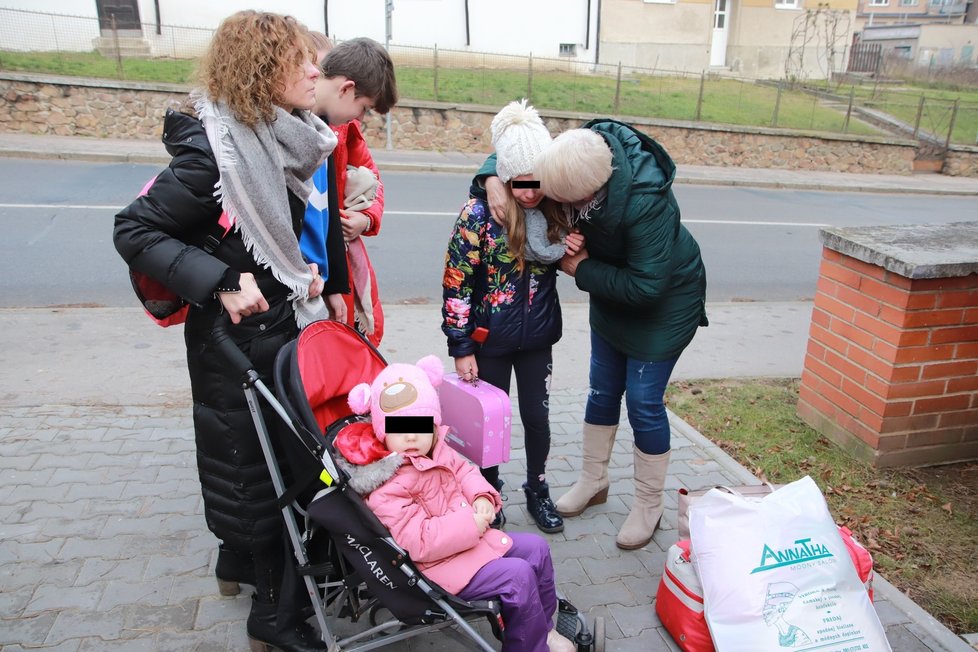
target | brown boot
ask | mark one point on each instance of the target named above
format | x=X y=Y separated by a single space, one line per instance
x=592 y=487
x=643 y=519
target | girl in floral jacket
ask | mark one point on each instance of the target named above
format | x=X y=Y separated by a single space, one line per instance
x=501 y=312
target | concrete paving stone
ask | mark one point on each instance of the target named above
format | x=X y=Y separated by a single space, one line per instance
x=145 y=642
x=184 y=522
x=902 y=639
x=175 y=565
x=125 y=508
x=43 y=510
x=21 y=480
x=889 y=614
x=51 y=597
x=169 y=543
x=12 y=461
x=582 y=548
x=183 y=475
x=592 y=595
x=602 y=571
x=116 y=525
x=174 y=503
x=103 y=570
x=156 y=460
x=31 y=551
x=69 y=528
x=125 y=592
x=643 y=586
x=213 y=639
x=633 y=619
x=596 y=525
x=14 y=599
x=153 y=619
x=77 y=624
x=26 y=630
x=83 y=461
x=67 y=646
x=195 y=587
x=648 y=641
x=60 y=573
x=77 y=431
x=163 y=444
x=570 y=571
x=21 y=531
x=211 y=611
x=109 y=548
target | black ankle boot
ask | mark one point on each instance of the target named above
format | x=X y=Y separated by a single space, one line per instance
x=233 y=567
x=264 y=634
x=542 y=509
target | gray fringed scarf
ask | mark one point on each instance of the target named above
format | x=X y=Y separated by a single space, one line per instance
x=258 y=166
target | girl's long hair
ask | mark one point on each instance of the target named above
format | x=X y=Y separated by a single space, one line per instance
x=514 y=221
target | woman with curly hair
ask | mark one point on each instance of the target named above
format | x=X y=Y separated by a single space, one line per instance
x=249 y=134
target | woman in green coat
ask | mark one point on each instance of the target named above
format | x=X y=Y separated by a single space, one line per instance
x=647 y=287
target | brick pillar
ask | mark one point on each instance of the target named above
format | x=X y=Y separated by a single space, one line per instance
x=891 y=369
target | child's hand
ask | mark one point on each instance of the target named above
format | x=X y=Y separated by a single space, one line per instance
x=484 y=506
x=574 y=242
x=482 y=522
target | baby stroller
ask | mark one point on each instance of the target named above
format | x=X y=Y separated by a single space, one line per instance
x=350 y=564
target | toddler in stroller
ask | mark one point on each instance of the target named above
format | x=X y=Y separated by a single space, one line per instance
x=438 y=506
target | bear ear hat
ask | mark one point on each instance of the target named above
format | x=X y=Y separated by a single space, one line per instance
x=433 y=367
x=359 y=399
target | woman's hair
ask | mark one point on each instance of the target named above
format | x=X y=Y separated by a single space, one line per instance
x=577 y=164
x=320 y=43
x=250 y=60
x=514 y=220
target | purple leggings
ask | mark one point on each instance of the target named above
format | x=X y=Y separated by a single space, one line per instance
x=523 y=581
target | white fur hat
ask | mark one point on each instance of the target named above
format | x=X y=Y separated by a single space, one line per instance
x=518 y=135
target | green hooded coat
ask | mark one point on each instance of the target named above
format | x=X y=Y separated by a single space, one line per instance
x=645 y=276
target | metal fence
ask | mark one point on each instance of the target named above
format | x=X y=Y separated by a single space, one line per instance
x=75 y=45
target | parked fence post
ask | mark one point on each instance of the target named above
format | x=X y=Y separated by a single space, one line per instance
x=436 y=71
x=777 y=106
x=617 y=91
x=920 y=114
x=950 y=126
x=529 y=78
x=845 y=125
x=699 y=100
x=118 y=51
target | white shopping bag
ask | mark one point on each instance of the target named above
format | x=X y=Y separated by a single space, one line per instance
x=777 y=576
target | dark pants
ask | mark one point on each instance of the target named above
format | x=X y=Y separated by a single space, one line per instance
x=533 y=370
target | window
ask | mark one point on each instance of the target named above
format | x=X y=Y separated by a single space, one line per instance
x=568 y=50
x=908 y=3
x=787 y=4
x=879 y=3
x=659 y=2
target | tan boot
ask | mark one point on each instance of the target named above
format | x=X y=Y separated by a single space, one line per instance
x=650 y=478
x=592 y=487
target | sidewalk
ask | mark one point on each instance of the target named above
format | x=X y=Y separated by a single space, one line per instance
x=102 y=538
x=152 y=151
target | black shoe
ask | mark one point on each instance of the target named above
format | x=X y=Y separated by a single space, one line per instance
x=542 y=509
x=234 y=567
x=264 y=635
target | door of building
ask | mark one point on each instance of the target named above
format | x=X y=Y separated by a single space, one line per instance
x=125 y=12
x=718 y=46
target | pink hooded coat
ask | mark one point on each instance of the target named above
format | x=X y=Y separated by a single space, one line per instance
x=427 y=506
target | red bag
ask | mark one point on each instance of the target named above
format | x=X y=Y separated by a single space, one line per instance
x=164 y=306
x=679 y=599
x=479 y=417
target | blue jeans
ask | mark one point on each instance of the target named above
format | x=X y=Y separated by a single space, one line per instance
x=643 y=384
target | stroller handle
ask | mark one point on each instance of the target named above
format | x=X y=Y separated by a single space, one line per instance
x=228 y=348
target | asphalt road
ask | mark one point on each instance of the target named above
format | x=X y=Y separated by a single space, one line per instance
x=758 y=244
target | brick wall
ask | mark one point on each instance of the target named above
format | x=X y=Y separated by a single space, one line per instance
x=891 y=369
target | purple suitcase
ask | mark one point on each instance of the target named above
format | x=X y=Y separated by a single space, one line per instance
x=479 y=417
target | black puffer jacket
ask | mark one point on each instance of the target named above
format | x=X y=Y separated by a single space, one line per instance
x=483 y=287
x=158 y=235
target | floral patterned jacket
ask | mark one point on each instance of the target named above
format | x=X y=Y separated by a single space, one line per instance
x=482 y=287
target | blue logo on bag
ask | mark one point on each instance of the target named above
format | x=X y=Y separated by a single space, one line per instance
x=804 y=551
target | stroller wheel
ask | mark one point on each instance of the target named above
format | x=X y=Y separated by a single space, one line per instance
x=598 y=633
x=380 y=614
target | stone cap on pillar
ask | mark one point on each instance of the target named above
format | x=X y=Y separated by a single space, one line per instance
x=914 y=251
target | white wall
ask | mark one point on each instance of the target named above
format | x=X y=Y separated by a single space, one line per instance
x=503 y=26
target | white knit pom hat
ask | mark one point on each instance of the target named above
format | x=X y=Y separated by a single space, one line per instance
x=518 y=135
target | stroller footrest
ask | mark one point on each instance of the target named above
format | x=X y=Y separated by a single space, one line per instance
x=319 y=570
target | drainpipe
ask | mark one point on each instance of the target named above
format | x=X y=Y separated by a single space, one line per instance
x=159 y=21
x=597 y=35
x=326 y=17
x=468 y=40
x=587 y=26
